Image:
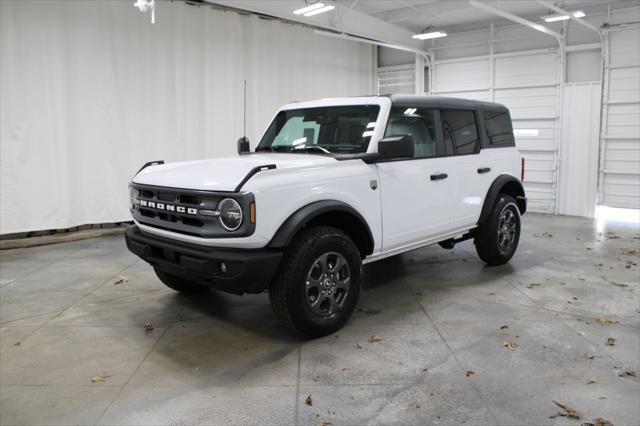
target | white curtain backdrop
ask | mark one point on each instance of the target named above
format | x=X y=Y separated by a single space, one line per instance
x=90 y=90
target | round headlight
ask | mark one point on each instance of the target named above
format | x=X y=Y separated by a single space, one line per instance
x=230 y=214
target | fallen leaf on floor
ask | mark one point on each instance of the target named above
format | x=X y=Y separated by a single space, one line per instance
x=491 y=294
x=308 y=400
x=375 y=338
x=99 y=378
x=631 y=373
x=589 y=355
x=469 y=373
x=630 y=252
x=547 y=234
x=566 y=411
x=17 y=343
x=121 y=280
x=598 y=422
x=324 y=424
x=611 y=341
x=148 y=327
x=425 y=369
x=619 y=284
x=358 y=346
x=510 y=345
x=605 y=321
x=592 y=380
x=532 y=285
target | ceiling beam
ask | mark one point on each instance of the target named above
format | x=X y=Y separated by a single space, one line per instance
x=352 y=21
x=517 y=19
x=569 y=14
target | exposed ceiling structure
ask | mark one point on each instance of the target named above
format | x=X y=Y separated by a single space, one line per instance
x=396 y=21
x=456 y=15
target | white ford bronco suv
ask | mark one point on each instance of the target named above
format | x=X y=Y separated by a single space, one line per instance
x=333 y=184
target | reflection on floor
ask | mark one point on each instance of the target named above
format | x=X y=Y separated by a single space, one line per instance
x=461 y=342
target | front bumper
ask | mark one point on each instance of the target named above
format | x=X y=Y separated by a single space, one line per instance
x=245 y=271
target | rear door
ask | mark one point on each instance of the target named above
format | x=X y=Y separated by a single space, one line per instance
x=471 y=172
x=416 y=192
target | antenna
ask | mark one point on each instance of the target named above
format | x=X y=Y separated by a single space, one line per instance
x=243 y=142
x=244 y=117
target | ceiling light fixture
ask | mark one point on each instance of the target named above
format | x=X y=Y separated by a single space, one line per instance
x=321 y=10
x=426 y=36
x=555 y=18
x=579 y=14
x=309 y=8
x=313 y=9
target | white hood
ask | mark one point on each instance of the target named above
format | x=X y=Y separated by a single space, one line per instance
x=221 y=174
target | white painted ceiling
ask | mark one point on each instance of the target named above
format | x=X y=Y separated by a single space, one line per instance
x=395 y=21
x=457 y=15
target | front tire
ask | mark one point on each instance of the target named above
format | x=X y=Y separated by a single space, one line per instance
x=179 y=284
x=497 y=238
x=318 y=285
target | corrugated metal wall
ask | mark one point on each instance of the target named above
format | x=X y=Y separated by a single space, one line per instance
x=396 y=79
x=619 y=180
x=528 y=84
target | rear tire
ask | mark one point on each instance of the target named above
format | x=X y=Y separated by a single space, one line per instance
x=179 y=284
x=318 y=285
x=497 y=238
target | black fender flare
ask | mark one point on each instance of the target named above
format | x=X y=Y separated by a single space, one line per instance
x=294 y=223
x=515 y=189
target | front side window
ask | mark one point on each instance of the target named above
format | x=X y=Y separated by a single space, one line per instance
x=334 y=129
x=418 y=123
x=497 y=125
x=460 y=131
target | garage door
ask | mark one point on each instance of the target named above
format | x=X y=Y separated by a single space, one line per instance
x=399 y=79
x=528 y=84
x=619 y=183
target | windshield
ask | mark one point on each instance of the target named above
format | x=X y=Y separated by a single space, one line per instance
x=334 y=129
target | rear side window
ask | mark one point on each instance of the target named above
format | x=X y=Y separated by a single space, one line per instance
x=497 y=124
x=460 y=131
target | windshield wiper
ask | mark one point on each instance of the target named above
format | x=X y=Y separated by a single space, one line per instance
x=310 y=147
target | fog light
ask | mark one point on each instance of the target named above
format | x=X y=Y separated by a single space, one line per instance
x=223 y=267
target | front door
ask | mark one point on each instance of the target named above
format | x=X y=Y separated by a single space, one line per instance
x=416 y=192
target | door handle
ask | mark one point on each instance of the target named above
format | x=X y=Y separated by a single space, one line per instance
x=484 y=170
x=439 y=176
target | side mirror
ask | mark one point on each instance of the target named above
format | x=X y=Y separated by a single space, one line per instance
x=243 y=145
x=396 y=147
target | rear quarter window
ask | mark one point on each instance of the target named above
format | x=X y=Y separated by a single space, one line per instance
x=497 y=125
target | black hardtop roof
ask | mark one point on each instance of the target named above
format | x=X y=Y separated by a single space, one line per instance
x=441 y=102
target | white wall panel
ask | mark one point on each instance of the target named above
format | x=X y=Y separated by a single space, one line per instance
x=620 y=138
x=462 y=76
x=527 y=70
x=90 y=90
x=578 y=180
x=398 y=79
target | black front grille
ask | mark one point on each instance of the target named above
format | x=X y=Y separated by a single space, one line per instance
x=179 y=210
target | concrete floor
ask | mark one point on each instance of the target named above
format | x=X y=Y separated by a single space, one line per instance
x=222 y=359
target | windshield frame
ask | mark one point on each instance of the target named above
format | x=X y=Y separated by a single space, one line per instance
x=383 y=102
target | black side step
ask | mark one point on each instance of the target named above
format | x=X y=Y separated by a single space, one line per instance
x=451 y=242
